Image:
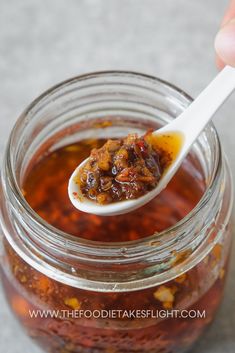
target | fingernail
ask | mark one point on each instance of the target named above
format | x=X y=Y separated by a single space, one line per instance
x=225 y=43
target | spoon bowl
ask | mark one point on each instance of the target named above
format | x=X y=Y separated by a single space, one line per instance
x=116 y=208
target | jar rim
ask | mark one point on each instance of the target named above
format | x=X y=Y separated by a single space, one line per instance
x=74 y=239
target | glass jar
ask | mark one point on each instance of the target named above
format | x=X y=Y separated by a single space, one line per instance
x=154 y=295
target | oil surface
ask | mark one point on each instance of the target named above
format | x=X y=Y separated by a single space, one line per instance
x=45 y=189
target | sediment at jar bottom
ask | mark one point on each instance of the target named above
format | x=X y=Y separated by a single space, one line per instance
x=65 y=329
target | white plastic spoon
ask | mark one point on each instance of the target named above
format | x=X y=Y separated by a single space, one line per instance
x=189 y=125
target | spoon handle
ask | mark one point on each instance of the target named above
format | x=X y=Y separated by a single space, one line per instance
x=198 y=114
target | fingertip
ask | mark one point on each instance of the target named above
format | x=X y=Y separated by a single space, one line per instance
x=225 y=44
x=219 y=62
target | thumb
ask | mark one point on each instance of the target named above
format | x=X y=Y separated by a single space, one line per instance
x=225 y=43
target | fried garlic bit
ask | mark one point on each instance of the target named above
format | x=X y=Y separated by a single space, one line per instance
x=166 y=295
x=73 y=303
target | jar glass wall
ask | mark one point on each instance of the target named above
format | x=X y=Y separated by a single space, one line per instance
x=74 y=292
